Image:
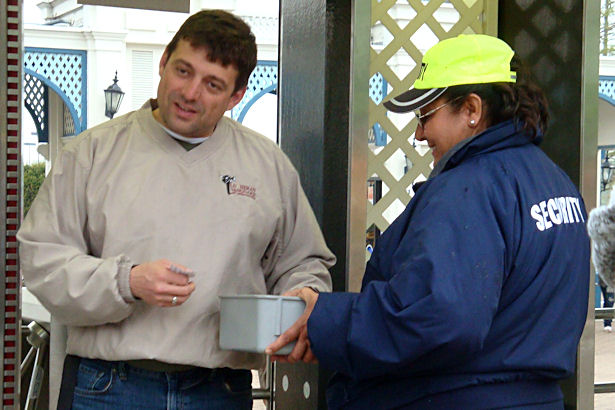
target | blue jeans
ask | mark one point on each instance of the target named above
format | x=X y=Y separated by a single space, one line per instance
x=607 y=302
x=117 y=385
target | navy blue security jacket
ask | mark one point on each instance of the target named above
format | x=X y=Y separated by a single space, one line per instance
x=476 y=295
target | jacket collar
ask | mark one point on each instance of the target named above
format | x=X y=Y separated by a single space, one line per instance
x=500 y=136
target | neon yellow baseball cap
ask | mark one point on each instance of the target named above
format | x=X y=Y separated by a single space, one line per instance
x=465 y=59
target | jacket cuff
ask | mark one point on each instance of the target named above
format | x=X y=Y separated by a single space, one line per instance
x=327 y=329
x=123 y=279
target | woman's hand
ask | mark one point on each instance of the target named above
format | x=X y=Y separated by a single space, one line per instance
x=298 y=332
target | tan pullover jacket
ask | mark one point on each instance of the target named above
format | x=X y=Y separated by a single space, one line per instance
x=123 y=193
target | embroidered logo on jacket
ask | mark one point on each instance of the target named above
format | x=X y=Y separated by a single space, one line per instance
x=234 y=188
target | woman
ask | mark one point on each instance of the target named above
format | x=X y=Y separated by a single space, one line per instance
x=459 y=297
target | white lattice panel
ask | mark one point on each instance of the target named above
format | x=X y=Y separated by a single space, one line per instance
x=265 y=75
x=402 y=30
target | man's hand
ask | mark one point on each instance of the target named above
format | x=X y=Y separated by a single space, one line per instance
x=298 y=332
x=160 y=283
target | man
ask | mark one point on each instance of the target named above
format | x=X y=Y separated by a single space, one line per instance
x=459 y=297
x=145 y=220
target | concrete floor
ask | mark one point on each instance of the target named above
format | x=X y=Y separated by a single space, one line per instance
x=604 y=366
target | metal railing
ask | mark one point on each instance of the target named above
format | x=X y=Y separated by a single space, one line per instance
x=265 y=393
x=605 y=313
x=38 y=338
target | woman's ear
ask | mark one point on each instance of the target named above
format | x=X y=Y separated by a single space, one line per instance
x=473 y=110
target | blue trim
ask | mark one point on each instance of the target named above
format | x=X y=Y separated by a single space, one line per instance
x=380 y=135
x=79 y=125
x=63 y=96
x=598 y=293
x=250 y=103
x=54 y=50
x=266 y=62
x=84 y=93
x=378 y=91
x=238 y=112
x=605 y=97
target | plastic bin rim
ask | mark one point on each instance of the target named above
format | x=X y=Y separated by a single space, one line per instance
x=270 y=297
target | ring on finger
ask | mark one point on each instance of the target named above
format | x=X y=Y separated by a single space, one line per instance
x=174 y=300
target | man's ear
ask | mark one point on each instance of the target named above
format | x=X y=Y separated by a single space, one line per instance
x=163 y=62
x=236 y=97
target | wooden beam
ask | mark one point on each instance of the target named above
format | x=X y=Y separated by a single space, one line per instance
x=182 y=6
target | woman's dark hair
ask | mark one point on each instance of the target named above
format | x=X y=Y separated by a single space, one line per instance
x=523 y=101
x=227 y=39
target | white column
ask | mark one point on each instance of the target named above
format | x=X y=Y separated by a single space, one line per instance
x=106 y=54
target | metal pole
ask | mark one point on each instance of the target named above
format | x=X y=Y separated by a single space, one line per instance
x=10 y=194
x=265 y=392
x=36 y=380
x=323 y=127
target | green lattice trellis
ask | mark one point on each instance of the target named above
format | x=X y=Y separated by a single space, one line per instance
x=401 y=32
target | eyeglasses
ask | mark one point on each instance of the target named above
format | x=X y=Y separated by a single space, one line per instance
x=419 y=116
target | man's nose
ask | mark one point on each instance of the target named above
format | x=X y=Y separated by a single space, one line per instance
x=191 y=90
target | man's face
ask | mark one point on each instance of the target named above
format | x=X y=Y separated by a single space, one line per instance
x=193 y=92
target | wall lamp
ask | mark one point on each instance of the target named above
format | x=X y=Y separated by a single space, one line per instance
x=113 y=98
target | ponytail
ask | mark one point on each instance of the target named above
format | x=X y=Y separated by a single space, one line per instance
x=523 y=101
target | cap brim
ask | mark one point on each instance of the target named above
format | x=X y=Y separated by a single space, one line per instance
x=413 y=99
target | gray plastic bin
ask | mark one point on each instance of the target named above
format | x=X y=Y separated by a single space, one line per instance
x=250 y=323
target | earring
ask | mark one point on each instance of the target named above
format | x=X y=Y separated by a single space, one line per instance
x=472 y=122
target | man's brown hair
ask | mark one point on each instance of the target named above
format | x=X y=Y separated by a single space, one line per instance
x=227 y=39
